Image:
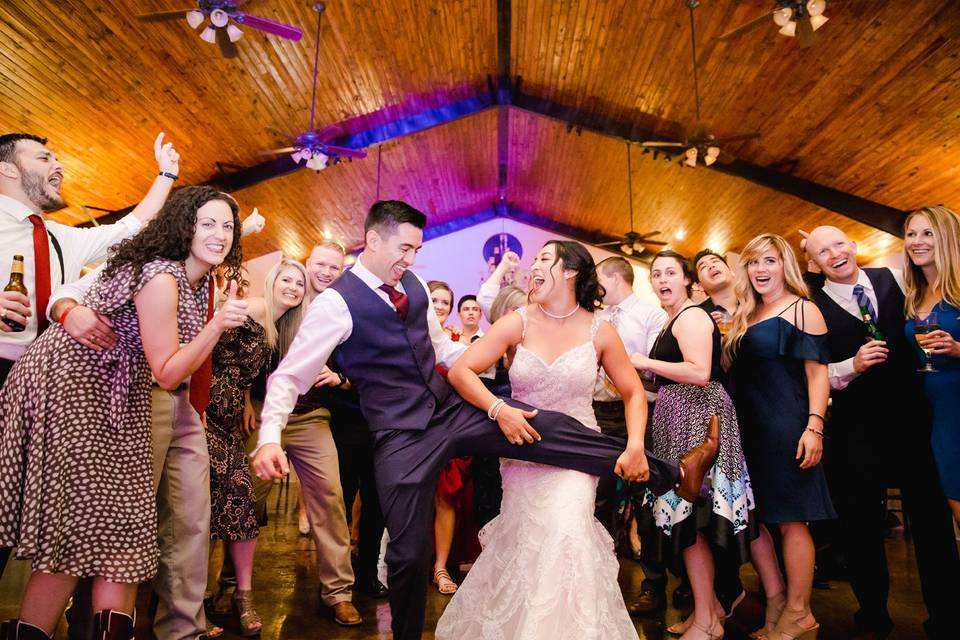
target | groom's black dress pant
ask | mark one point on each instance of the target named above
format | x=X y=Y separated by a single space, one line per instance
x=407 y=464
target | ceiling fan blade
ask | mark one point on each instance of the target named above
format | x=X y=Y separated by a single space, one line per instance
x=271 y=152
x=227 y=48
x=269 y=26
x=608 y=244
x=658 y=243
x=737 y=138
x=163 y=16
x=805 y=30
x=344 y=152
x=747 y=26
x=662 y=143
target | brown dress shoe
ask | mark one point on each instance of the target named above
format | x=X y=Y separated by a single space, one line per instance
x=345 y=614
x=649 y=601
x=695 y=464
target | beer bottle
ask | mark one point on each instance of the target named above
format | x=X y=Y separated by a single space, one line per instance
x=873 y=333
x=16 y=284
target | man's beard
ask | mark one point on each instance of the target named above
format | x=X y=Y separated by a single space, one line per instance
x=35 y=188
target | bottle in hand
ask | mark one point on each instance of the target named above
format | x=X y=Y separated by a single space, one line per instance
x=16 y=284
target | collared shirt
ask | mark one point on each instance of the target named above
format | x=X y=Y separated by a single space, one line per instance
x=328 y=324
x=79 y=246
x=638 y=324
x=842 y=373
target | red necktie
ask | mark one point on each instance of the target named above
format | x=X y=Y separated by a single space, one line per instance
x=399 y=300
x=41 y=259
x=201 y=378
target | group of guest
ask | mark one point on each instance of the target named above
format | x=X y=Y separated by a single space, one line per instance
x=133 y=386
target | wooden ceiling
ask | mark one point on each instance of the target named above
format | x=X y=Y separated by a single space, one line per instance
x=872 y=110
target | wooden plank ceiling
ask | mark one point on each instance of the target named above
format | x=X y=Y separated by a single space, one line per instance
x=873 y=109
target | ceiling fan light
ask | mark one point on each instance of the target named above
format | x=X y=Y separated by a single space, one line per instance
x=818 y=21
x=219 y=18
x=713 y=152
x=691 y=153
x=816 y=7
x=789 y=29
x=627 y=249
x=209 y=35
x=194 y=18
x=299 y=155
x=234 y=33
x=637 y=246
x=782 y=16
x=709 y=160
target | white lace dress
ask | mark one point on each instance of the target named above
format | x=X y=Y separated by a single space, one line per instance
x=548 y=568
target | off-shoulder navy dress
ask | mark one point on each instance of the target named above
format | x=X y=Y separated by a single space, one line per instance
x=770 y=395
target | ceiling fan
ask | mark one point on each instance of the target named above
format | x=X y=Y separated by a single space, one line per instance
x=700 y=143
x=312 y=146
x=224 y=16
x=633 y=244
x=794 y=17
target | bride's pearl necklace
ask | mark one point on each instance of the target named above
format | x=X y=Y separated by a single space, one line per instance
x=560 y=317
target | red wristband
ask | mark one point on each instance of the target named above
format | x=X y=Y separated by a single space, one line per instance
x=70 y=307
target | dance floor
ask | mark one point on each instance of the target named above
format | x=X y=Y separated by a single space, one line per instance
x=285 y=589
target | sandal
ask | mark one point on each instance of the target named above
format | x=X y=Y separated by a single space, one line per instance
x=772 y=612
x=250 y=623
x=445 y=584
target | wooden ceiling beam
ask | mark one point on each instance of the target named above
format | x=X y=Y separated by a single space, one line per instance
x=869 y=212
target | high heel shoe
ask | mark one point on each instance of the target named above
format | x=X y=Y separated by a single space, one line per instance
x=696 y=462
x=789 y=627
x=774 y=609
x=250 y=623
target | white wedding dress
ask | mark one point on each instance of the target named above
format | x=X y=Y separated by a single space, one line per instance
x=548 y=568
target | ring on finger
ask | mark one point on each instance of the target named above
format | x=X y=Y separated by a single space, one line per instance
x=3 y=312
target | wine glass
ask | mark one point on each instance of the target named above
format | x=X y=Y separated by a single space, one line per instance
x=921 y=327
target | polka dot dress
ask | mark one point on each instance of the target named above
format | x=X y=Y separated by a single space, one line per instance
x=76 y=479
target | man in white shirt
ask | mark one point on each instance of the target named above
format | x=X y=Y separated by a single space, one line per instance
x=379 y=323
x=879 y=433
x=638 y=325
x=30 y=181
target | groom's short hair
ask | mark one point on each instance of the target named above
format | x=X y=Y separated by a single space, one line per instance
x=386 y=215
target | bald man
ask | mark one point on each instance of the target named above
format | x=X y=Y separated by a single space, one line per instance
x=880 y=436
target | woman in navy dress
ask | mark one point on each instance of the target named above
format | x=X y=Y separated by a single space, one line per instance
x=932 y=255
x=777 y=349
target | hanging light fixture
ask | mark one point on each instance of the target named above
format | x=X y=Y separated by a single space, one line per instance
x=194 y=18
x=792 y=12
x=691 y=157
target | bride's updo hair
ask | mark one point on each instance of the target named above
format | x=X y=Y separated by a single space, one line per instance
x=575 y=257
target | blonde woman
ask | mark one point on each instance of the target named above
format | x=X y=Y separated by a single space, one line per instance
x=777 y=349
x=931 y=249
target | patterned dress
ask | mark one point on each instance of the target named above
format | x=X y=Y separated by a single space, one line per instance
x=681 y=417
x=76 y=471
x=237 y=359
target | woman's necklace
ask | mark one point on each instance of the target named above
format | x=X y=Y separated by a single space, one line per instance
x=560 y=317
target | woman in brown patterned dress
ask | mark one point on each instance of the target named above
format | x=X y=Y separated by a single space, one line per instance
x=76 y=479
x=237 y=359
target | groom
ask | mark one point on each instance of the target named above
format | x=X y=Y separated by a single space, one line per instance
x=378 y=322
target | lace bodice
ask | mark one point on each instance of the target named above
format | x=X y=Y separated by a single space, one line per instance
x=564 y=385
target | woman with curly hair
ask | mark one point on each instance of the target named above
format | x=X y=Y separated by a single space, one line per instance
x=76 y=480
x=548 y=567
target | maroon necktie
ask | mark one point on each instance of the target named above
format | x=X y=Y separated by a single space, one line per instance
x=203 y=376
x=41 y=259
x=399 y=300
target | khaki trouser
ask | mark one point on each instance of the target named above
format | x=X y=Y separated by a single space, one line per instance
x=310 y=449
x=181 y=474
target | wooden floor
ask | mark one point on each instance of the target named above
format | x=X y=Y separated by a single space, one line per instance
x=285 y=589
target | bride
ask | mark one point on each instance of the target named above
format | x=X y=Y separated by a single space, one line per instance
x=548 y=568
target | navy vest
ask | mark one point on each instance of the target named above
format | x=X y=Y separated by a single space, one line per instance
x=884 y=393
x=389 y=361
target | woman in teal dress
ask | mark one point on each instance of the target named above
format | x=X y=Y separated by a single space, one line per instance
x=931 y=278
x=777 y=354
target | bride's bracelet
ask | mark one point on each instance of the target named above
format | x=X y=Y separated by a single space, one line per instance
x=495 y=407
